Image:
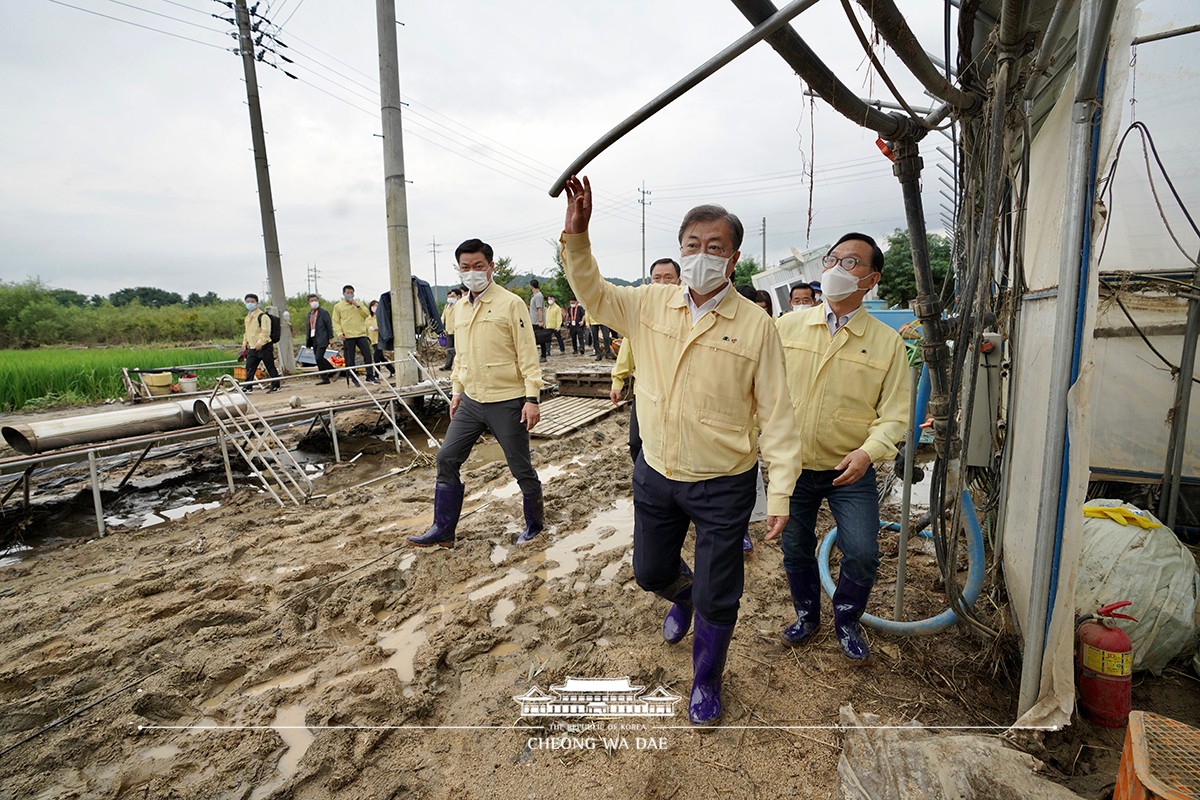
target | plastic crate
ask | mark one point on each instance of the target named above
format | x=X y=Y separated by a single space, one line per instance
x=1161 y=760
x=239 y=373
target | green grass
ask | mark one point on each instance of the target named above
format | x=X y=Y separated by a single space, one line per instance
x=32 y=379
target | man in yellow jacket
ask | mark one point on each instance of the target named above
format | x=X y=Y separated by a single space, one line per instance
x=350 y=318
x=849 y=380
x=497 y=383
x=709 y=363
x=664 y=271
x=257 y=344
x=554 y=321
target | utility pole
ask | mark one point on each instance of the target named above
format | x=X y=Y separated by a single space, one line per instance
x=277 y=295
x=763 y=264
x=434 y=247
x=404 y=326
x=644 y=202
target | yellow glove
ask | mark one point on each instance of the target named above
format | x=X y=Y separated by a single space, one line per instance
x=1121 y=515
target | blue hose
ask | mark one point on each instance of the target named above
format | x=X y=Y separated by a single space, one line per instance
x=932 y=624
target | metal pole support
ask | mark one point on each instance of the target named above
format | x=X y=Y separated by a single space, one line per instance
x=910 y=456
x=96 y=501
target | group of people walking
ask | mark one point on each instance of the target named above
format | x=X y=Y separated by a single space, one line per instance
x=819 y=395
x=352 y=326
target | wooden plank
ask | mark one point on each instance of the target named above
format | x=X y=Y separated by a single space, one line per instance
x=563 y=414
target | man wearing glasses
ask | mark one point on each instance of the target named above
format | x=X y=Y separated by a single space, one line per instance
x=848 y=377
x=710 y=372
x=497 y=382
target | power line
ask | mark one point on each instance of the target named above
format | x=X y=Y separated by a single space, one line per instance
x=289 y=16
x=139 y=25
x=165 y=16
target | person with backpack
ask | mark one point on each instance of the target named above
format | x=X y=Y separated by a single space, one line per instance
x=350 y=325
x=258 y=343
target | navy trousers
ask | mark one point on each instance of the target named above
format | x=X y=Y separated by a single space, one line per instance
x=720 y=509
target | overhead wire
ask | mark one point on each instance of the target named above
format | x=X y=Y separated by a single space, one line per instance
x=139 y=25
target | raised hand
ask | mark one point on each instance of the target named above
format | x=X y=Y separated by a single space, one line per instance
x=579 y=205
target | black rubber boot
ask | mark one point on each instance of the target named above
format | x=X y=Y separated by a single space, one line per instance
x=710 y=646
x=535 y=515
x=447 y=507
x=805 y=585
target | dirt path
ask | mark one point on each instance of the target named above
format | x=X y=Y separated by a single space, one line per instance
x=265 y=643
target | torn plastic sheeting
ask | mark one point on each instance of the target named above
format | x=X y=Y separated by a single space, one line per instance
x=915 y=764
x=1151 y=568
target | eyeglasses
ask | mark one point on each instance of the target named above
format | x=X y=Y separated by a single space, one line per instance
x=849 y=262
x=691 y=248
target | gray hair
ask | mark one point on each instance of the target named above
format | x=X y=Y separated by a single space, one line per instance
x=711 y=213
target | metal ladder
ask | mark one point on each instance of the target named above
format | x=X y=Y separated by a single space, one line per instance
x=239 y=423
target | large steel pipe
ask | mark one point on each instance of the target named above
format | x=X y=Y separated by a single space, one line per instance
x=40 y=437
x=206 y=409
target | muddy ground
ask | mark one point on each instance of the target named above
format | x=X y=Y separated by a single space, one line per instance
x=249 y=651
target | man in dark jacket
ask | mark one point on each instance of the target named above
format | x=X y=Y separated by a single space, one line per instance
x=320 y=333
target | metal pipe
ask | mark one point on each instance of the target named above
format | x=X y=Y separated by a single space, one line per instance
x=97 y=503
x=1158 y=37
x=890 y=24
x=910 y=456
x=1169 y=501
x=225 y=457
x=225 y=404
x=1093 y=35
x=1046 y=48
x=769 y=25
x=880 y=103
x=136 y=464
x=800 y=57
x=38 y=437
x=337 y=454
x=935 y=117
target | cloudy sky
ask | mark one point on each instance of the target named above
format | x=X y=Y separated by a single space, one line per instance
x=126 y=151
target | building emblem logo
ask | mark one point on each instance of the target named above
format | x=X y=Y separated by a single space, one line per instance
x=591 y=697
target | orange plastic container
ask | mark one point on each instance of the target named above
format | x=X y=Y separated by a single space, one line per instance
x=1161 y=760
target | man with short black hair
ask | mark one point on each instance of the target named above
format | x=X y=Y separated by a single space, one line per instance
x=803 y=296
x=320 y=334
x=257 y=345
x=710 y=374
x=577 y=326
x=350 y=325
x=848 y=377
x=497 y=384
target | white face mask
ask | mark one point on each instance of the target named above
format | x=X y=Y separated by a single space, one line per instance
x=837 y=284
x=803 y=304
x=475 y=281
x=451 y=301
x=315 y=304
x=703 y=272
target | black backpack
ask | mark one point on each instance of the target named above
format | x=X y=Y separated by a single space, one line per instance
x=276 y=332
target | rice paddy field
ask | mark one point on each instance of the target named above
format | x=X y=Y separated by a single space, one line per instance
x=40 y=378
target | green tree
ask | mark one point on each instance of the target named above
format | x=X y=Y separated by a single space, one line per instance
x=746 y=267
x=504 y=273
x=898 y=285
x=558 y=285
x=146 y=295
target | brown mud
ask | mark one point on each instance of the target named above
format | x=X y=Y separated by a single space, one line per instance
x=251 y=651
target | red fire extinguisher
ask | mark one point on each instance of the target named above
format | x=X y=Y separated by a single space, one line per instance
x=1104 y=666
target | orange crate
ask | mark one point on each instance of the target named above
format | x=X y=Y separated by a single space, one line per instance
x=239 y=373
x=1161 y=760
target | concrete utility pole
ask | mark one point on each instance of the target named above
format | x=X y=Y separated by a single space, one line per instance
x=277 y=296
x=404 y=325
x=644 y=202
x=762 y=266
x=434 y=247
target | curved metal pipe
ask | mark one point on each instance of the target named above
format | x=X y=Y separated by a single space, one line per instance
x=38 y=437
x=821 y=79
x=891 y=25
x=772 y=23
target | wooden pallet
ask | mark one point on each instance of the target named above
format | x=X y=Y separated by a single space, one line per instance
x=562 y=415
x=586 y=382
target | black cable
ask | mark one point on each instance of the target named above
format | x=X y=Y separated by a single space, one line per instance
x=887 y=79
x=138 y=25
x=165 y=16
x=1174 y=369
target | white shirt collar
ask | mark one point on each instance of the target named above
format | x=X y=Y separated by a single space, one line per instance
x=699 y=311
x=835 y=322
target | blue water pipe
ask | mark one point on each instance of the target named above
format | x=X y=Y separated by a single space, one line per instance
x=923 y=390
x=932 y=624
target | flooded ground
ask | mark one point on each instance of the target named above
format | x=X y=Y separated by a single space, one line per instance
x=253 y=651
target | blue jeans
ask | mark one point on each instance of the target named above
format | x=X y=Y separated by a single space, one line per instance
x=855 y=509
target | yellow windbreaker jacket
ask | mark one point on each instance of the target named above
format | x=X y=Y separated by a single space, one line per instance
x=496 y=356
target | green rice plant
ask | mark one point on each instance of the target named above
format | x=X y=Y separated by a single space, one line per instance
x=31 y=379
